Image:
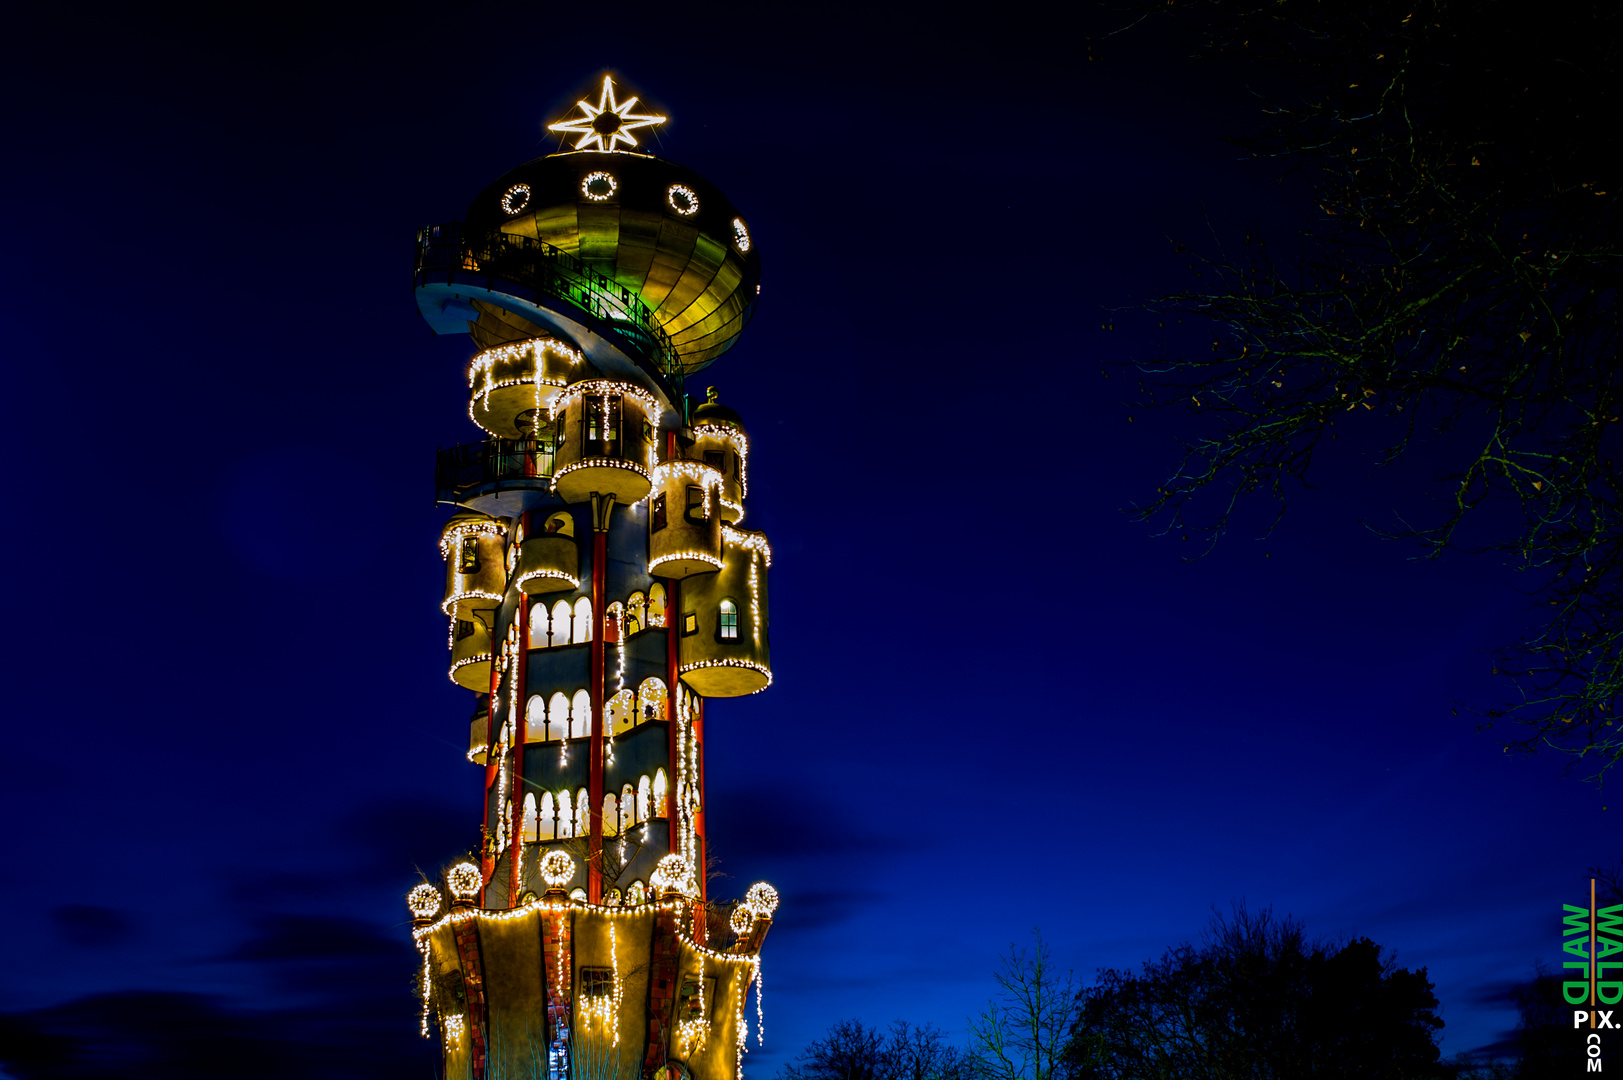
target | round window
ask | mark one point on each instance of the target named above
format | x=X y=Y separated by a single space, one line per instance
x=516 y=198
x=598 y=186
x=682 y=199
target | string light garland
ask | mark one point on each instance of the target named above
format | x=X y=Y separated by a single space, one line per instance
x=729 y=662
x=593 y=131
x=602 y=463
x=741 y=235
x=600 y=387
x=425 y=951
x=453 y=1028
x=682 y=199
x=606 y=1009
x=470 y=527
x=599 y=186
x=483 y=381
x=706 y=476
x=749 y=541
x=481 y=658
x=698 y=556
x=423 y=901
x=736 y=439
x=516 y=198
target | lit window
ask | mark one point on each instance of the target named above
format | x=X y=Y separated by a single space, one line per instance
x=656 y=605
x=549 y=818
x=690 y=623
x=728 y=623
x=580 y=718
x=468 y=561
x=538 y=626
x=583 y=619
x=566 y=817
x=558 y=717
x=695 y=510
x=642 y=798
x=560 y=623
x=628 y=805
x=529 y=819
x=611 y=815
x=660 y=790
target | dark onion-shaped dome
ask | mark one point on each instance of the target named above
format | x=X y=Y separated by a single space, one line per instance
x=651 y=225
x=712 y=413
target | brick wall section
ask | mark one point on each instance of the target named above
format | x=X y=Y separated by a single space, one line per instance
x=473 y=981
x=665 y=955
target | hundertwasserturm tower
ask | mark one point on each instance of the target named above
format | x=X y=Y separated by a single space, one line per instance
x=600 y=585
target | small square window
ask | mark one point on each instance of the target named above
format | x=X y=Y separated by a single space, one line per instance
x=657 y=520
x=647 y=431
x=596 y=983
x=716 y=460
x=690 y=623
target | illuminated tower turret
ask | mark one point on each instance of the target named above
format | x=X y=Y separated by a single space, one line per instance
x=599 y=586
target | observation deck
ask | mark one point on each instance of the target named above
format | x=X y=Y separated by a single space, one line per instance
x=545 y=284
x=498 y=477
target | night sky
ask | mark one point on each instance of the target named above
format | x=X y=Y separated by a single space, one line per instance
x=1000 y=703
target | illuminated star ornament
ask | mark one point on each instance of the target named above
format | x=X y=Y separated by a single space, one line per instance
x=608 y=123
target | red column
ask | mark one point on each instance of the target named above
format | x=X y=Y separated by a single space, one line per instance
x=521 y=662
x=698 y=824
x=600 y=559
x=487 y=855
x=673 y=640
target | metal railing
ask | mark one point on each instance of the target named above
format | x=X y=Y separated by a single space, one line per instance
x=442 y=250
x=491 y=465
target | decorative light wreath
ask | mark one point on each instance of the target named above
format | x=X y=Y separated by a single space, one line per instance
x=741 y=235
x=423 y=901
x=599 y=178
x=516 y=199
x=763 y=898
x=742 y=919
x=557 y=867
x=464 y=880
x=672 y=873
x=682 y=199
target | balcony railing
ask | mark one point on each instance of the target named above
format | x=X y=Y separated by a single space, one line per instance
x=484 y=467
x=443 y=252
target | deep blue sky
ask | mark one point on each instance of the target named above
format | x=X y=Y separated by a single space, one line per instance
x=999 y=702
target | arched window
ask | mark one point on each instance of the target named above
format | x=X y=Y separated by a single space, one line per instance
x=636 y=614
x=558 y=717
x=643 y=793
x=656 y=605
x=650 y=700
x=538 y=625
x=583 y=813
x=622 y=711
x=727 y=625
x=583 y=619
x=636 y=893
x=560 y=623
x=614 y=622
x=580 y=715
x=535 y=719
x=659 y=793
x=566 y=817
x=611 y=815
x=548 y=829
x=628 y=805
x=530 y=818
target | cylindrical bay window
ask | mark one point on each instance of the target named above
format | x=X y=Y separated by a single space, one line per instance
x=605 y=431
x=511 y=387
x=725 y=648
x=549 y=559
x=684 y=520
